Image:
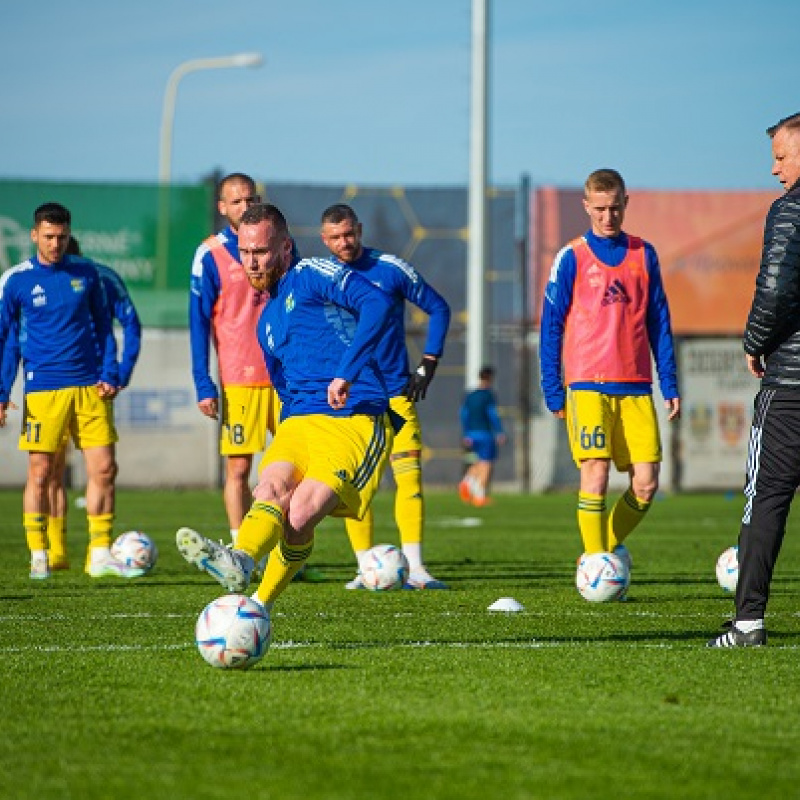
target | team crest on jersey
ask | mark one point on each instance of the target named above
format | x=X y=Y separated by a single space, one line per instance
x=78 y=285
x=289 y=304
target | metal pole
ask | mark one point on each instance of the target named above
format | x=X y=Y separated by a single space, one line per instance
x=476 y=263
x=165 y=143
x=522 y=241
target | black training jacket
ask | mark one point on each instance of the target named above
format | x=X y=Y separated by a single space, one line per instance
x=773 y=325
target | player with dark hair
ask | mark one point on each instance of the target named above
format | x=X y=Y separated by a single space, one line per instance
x=482 y=434
x=55 y=303
x=341 y=233
x=124 y=312
x=318 y=334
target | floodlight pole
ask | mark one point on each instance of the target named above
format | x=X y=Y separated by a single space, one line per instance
x=477 y=252
x=165 y=143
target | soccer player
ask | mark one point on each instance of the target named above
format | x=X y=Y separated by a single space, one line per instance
x=341 y=233
x=55 y=303
x=224 y=308
x=482 y=433
x=318 y=334
x=124 y=312
x=605 y=310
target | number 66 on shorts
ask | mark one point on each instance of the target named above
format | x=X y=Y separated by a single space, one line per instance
x=623 y=428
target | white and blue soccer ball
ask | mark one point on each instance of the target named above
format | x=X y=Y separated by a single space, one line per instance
x=601 y=577
x=728 y=569
x=135 y=549
x=385 y=568
x=233 y=632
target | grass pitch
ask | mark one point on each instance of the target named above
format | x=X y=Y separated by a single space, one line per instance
x=406 y=694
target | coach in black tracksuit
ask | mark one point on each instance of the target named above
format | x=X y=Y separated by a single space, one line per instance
x=772 y=350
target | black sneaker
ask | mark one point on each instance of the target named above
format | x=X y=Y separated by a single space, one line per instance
x=733 y=637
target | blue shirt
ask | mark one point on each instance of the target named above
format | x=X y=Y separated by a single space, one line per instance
x=60 y=314
x=324 y=321
x=122 y=310
x=558 y=300
x=402 y=282
x=203 y=295
x=479 y=413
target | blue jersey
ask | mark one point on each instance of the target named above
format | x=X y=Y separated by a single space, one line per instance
x=122 y=310
x=479 y=413
x=558 y=300
x=60 y=315
x=324 y=321
x=402 y=282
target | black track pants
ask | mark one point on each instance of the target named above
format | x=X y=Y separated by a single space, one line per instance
x=773 y=475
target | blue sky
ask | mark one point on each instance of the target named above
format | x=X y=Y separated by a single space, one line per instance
x=675 y=95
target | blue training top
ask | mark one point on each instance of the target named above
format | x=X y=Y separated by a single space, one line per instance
x=122 y=310
x=60 y=314
x=402 y=282
x=323 y=321
x=557 y=302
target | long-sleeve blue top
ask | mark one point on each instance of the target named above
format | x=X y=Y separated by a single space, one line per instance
x=60 y=315
x=402 y=282
x=122 y=310
x=557 y=303
x=479 y=413
x=324 y=321
x=204 y=292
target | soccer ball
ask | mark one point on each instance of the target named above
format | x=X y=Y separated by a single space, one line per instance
x=233 y=632
x=135 y=549
x=386 y=568
x=728 y=569
x=601 y=577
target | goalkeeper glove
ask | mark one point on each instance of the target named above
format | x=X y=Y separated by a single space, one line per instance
x=420 y=379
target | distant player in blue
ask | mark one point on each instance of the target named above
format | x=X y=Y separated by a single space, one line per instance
x=341 y=233
x=319 y=332
x=56 y=305
x=482 y=433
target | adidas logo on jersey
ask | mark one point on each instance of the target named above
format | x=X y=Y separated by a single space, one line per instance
x=39 y=297
x=615 y=293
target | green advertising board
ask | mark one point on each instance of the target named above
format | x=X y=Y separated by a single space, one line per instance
x=118 y=225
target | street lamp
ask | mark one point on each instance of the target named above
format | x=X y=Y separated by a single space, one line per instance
x=168 y=114
x=165 y=146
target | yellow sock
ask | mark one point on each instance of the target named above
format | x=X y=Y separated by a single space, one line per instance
x=627 y=513
x=261 y=530
x=360 y=531
x=57 y=536
x=285 y=561
x=35 y=531
x=100 y=527
x=409 y=507
x=592 y=521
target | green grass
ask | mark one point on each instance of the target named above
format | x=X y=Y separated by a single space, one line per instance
x=407 y=694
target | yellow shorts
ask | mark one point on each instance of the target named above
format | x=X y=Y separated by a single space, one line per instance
x=623 y=428
x=52 y=415
x=248 y=412
x=348 y=454
x=409 y=438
